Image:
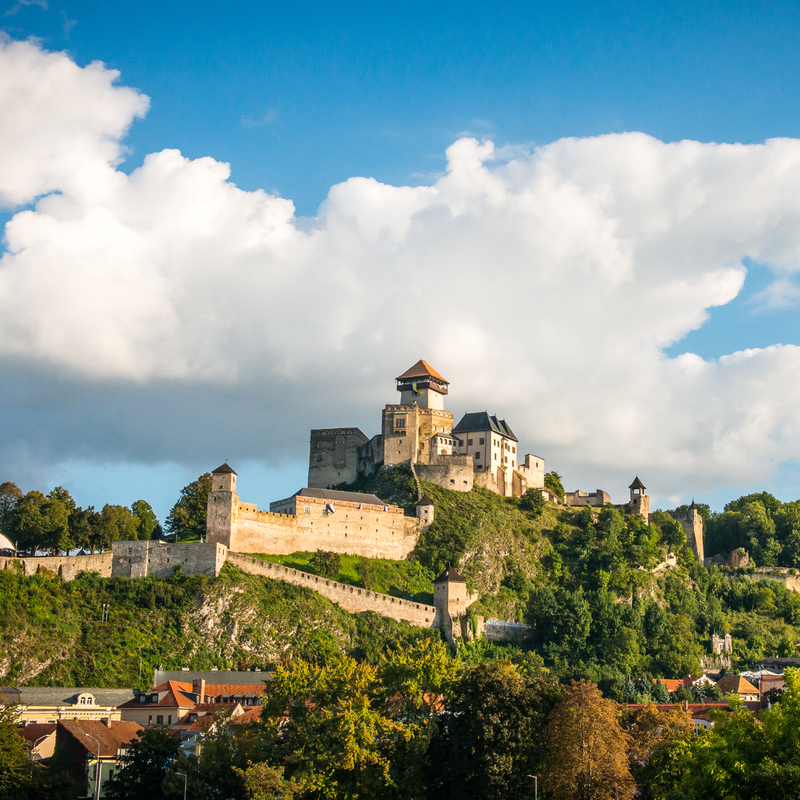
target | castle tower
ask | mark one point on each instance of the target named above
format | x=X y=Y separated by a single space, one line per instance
x=422 y=385
x=639 y=502
x=425 y=513
x=223 y=506
x=450 y=595
x=409 y=425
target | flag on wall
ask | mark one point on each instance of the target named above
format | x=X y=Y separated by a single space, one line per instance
x=329 y=508
x=414 y=389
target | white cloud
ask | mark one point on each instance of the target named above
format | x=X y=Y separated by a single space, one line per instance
x=545 y=284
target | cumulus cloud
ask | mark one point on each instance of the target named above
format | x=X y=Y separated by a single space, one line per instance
x=545 y=283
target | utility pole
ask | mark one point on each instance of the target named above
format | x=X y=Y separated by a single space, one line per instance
x=97 y=768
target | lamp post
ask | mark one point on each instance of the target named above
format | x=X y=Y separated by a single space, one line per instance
x=97 y=768
x=33 y=746
x=535 y=786
x=184 y=783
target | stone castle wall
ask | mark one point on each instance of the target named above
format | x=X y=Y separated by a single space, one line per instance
x=67 y=567
x=453 y=472
x=350 y=598
x=370 y=531
x=334 y=456
x=142 y=559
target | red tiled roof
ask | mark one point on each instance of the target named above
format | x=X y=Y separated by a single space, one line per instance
x=111 y=740
x=736 y=684
x=177 y=694
x=421 y=370
x=36 y=730
x=672 y=684
x=450 y=574
x=251 y=715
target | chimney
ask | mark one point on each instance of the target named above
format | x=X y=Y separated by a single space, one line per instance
x=686 y=706
x=199 y=688
x=107 y=721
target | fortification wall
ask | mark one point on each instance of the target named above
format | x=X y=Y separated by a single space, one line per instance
x=371 y=531
x=154 y=558
x=782 y=574
x=334 y=456
x=498 y=631
x=486 y=480
x=350 y=598
x=67 y=567
x=453 y=472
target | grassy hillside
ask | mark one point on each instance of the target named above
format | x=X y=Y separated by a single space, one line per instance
x=51 y=633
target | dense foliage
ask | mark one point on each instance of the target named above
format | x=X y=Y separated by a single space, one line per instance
x=54 y=523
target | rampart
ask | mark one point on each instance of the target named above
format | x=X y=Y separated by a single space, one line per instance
x=341 y=527
x=67 y=567
x=350 y=598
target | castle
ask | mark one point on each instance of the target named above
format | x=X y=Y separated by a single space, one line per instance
x=481 y=450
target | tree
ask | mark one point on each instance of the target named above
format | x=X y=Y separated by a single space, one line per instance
x=116 y=524
x=188 y=516
x=16 y=767
x=264 y=782
x=326 y=563
x=331 y=728
x=532 y=501
x=148 y=522
x=496 y=719
x=552 y=481
x=587 y=748
x=10 y=495
x=41 y=523
x=144 y=767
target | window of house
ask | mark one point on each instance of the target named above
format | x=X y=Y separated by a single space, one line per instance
x=149 y=549
x=160 y=719
x=306 y=510
x=478 y=454
x=142 y=698
x=169 y=720
x=399 y=422
x=481 y=440
x=130 y=550
x=469 y=442
x=150 y=720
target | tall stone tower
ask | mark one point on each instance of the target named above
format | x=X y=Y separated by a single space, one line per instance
x=409 y=425
x=450 y=597
x=425 y=511
x=223 y=506
x=640 y=501
x=692 y=524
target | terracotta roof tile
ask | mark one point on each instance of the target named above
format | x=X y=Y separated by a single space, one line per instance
x=111 y=740
x=450 y=574
x=421 y=369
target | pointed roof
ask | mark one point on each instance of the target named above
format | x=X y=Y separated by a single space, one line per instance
x=483 y=421
x=425 y=501
x=421 y=370
x=450 y=574
x=693 y=506
x=637 y=484
x=736 y=684
x=224 y=469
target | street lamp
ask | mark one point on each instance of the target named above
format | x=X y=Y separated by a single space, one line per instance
x=535 y=786
x=97 y=768
x=184 y=783
x=33 y=746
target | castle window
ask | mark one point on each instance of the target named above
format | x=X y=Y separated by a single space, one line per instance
x=469 y=442
x=481 y=440
x=306 y=510
x=478 y=454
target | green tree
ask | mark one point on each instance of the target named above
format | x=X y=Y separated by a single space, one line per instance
x=587 y=748
x=148 y=527
x=533 y=502
x=17 y=771
x=187 y=519
x=146 y=764
x=552 y=481
x=330 y=727
x=10 y=496
x=496 y=719
x=116 y=524
x=40 y=523
x=326 y=563
x=265 y=782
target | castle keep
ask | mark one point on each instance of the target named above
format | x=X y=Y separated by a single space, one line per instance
x=481 y=450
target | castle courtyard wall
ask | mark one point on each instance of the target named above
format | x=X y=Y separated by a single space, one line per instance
x=67 y=567
x=453 y=472
x=350 y=598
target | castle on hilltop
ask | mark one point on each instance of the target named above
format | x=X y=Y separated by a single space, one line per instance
x=481 y=450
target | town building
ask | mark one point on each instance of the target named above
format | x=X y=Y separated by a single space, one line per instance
x=44 y=704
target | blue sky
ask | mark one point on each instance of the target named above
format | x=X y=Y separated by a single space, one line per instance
x=302 y=97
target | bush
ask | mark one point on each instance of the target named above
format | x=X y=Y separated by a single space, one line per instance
x=326 y=563
x=532 y=501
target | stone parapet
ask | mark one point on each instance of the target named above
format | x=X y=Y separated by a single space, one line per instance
x=350 y=598
x=66 y=567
